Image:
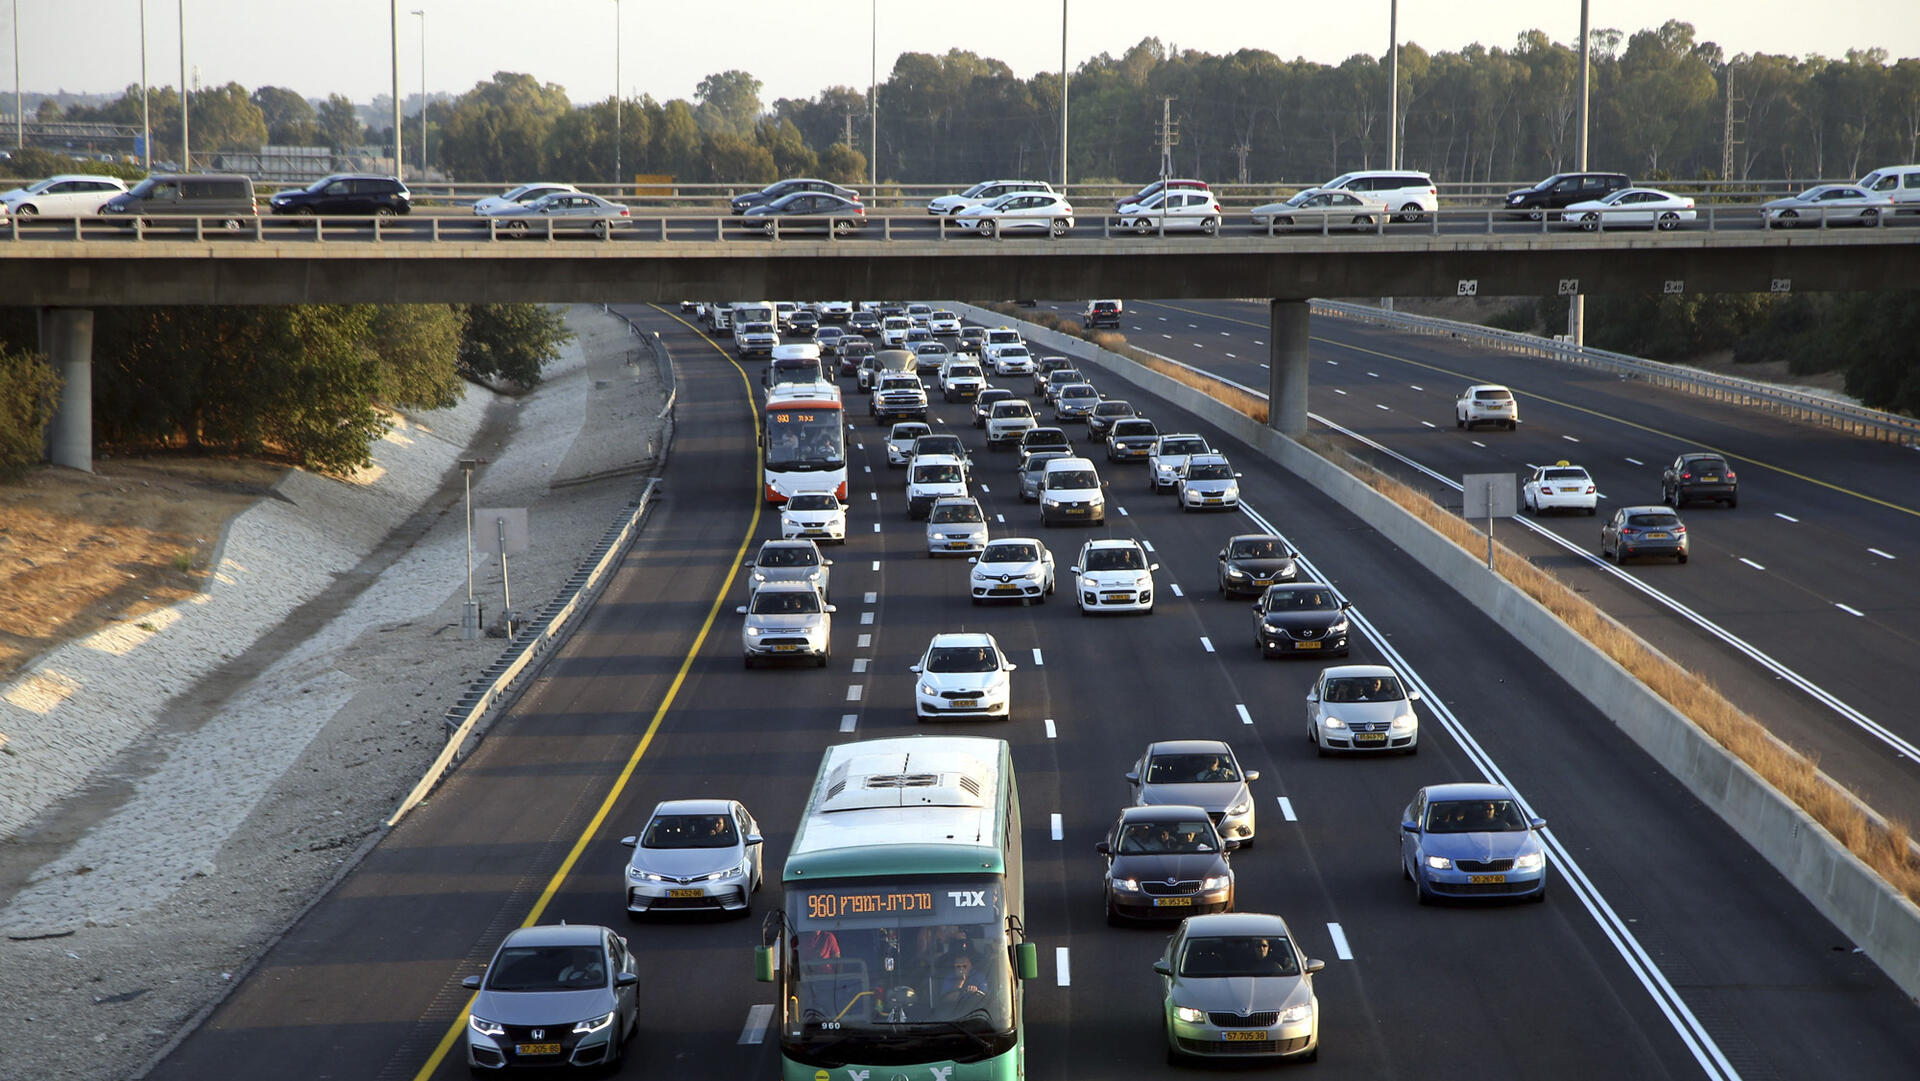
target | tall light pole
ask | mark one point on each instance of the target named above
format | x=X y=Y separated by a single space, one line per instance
x=146 y=118
x=393 y=38
x=1063 y=99
x=423 y=95
x=1577 y=304
x=186 y=155
x=19 y=110
x=616 y=95
x=873 y=101
x=1393 y=84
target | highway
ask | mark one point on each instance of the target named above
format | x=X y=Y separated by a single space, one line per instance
x=1816 y=569
x=1667 y=949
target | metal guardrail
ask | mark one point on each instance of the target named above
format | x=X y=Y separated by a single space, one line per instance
x=1798 y=405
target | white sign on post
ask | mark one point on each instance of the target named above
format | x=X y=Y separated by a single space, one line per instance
x=1489 y=496
x=501 y=531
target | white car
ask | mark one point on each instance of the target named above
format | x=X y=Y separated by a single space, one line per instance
x=1169 y=453
x=1318 y=208
x=961 y=379
x=69 y=195
x=948 y=205
x=834 y=311
x=521 y=196
x=1178 y=210
x=1033 y=211
x=921 y=314
x=1827 y=204
x=1362 y=707
x=944 y=324
x=1012 y=568
x=1628 y=207
x=786 y=619
x=695 y=854
x=1560 y=486
x=893 y=331
x=900 y=441
x=963 y=676
x=956 y=526
x=1486 y=403
x=1008 y=421
x=815 y=516
x=1010 y=359
x=1113 y=575
x=931 y=477
x=1207 y=482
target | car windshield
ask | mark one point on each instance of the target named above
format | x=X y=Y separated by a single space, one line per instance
x=938 y=444
x=1170 y=836
x=936 y=474
x=1365 y=689
x=900 y=383
x=1079 y=391
x=1062 y=376
x=785 y=602
x=1239 y=956
x=1301 y=600
x=1012 y=409
x=957 y=512
x=962 y=659
x=963 y=371
x=1072 y=479
x=1191 y=768
x=1010 y=553
x=548 y=968
x=690 y=831
x=993 y=394
x=908 y=432
x=1013 y=352
x=944 y=315
x=1116 y=559
x=788 y=556
x=1135 y=428
x=1183 y=446
x=1652 y=521
x=756 y=328
x=813 y=501
x=1256 y=548
x=1044 y=437
x=1475 y=816
x=1210 y=471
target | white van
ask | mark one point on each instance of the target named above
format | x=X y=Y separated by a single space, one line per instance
x=795 y=363
x=1901 y=183
x=1071 y=491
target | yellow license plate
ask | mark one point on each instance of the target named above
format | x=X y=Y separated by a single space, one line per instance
x=1656 y=536
x=1005 y=589
x=1486 y=880
x=1213 y=499
x=685 y=893
x=1172 y=902
x=957 y=544
x=1370 y=737
x=536 y=1049
x=1247 y=1036
x=785 y=649
x=1076 y=510
x=1306 y=645
x=966 y=703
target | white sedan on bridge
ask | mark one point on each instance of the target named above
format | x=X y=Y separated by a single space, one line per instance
x=1827 y=204
x=1637 y=207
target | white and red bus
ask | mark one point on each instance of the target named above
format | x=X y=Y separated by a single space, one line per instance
x=806 y=446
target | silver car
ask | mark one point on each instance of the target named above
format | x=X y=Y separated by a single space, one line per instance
x=786 y=619
x=1202 y=772
x=900 y=441
x=1075 y=401
x=1362 y=707
x=1237 y=985
x=573 y=211
x=1169 y=453
x=702 y=854
x=554 y=995
x=956 y=526
x=798 y=560
x=1827 y=204
x=1207 y=482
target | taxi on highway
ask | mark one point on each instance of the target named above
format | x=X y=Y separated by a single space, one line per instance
x=1560 y=486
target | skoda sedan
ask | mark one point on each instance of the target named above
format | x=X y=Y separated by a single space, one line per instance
x=1471 y=841
x=1238 y=986
x=559 y=995
x=1203 y=772
x=1165 y=863
x=700 y=854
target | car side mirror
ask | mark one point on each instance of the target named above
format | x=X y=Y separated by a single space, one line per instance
x=626 y=979
x=1237 y=476
x=740 y=610
x=1410 y=827
x=1230 y=844
x=1344 y=605
x=1153 y=566
x=1163 y=968
x=1256 y=606
x=826 y=563
x=1313 y=696
x=1536 y=823
x=471 y=983
x=754 y=839
x=1253 y=775
x=914 y=668
x=832 y=608
x=1413 y=696
x=1133 y=776
x=972 y=560
x=1314 y=964
x=630 y=842
x=1222 y=555
x=1027 y=956
x=1011 y=667
x=1103 y=848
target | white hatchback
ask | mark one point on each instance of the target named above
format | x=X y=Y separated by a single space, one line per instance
x=1113 y=575
x=1012 y=568
x=963 y=676
x=1362 y=707
x=956 y=526
x=815 y=516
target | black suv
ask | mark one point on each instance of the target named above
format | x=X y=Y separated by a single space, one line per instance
x=1563 y=189
x=362 y=195
x=1103 y=313
x=1699 y=476
x=803 y=323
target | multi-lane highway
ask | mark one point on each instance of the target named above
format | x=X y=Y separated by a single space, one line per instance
x=1666 y=948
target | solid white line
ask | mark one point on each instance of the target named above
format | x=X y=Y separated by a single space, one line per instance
x=1059 y=829
x=859 y=665
x=1065 y=974
x=1206 y=643
x=1050 y=732
x=755 y=1029
x=1787 y=517
x=865 y=641
x=848 y=720
x=870 y=598
x=853 y=693
x=1038 y=662
x=1848 y=609
x=1286 y=809
x=1636 y=461
x=866 y=619
x=1175 y=586
x=1241 y=709
x=1881 y=554
x=1751 y=563
x=1340 y=948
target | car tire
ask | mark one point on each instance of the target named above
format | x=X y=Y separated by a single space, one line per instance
x=1683 y=557
x=1667 y=222
x=1085 y=611
x=1057 y=228
x=1459 y=421
x=1412 y=212
x=1210 y=226
x=1787 y=219
x=1870 y=217
x=1311 y=1056
x=843 y=228
x=1732 y=502
x=987 y=227
x=747 y=661
x=1142 y=226
x=1320 y=750
x=1591 y=511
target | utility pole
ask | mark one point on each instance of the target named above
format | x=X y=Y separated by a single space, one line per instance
x=1727 y=141
x=1393 y=86
x=423 y=95
x=186 y=155
x=1169 y=137
x=393 y=33
x=1577 y=304
x=873 y=102
x=616 y=96
x=1063 y=99
x=146 y=117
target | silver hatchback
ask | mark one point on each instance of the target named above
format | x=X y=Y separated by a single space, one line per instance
x=797 y=560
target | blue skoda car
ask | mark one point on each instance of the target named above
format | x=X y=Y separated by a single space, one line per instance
x=1471 y=841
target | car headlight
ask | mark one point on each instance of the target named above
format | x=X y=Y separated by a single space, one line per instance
x=1189 y=1014
x=1215 y=882
x=1234 y=572
x=929 y=690
x=1231 y=491
x=1338 y=628
x=1239 y=809
x=1050 y=501
x=1402 y=724
x=1532 y=861
x=1143 y=582
x=485 y=1027
x=1440 y=863
x=1333 y=724
x=1293 y=1015
x=1127 y=885
x=753 y=632
x=593 y=1024
x=759 y=576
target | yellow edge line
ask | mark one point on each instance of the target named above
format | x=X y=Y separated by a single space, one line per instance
x=1755 y=462
x=446 y=1043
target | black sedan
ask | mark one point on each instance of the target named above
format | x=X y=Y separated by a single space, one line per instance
x=1699 y=476
x=780 y=189
x=1304 y=617
x=1253 y=561
x=1166 y=863
x=806 y=210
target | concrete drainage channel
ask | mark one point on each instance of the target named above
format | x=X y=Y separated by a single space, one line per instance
x=1881 y=921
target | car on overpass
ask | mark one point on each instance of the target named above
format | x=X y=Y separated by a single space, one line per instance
x=1042 y=212
x=1827 y=204
x=358 y=194
x=562 y=212
x=1316 y=208
x=1471 y=842
x=740 y=204
x=1630 y=208
x=69 y=195
x=806 y=211
x=1173 y=211
x=520 y=196
x=1561 y=190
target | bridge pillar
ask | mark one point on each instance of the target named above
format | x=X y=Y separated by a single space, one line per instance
x=1287 y=360
x=66 y=337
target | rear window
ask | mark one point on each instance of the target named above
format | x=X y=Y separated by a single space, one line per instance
x=1707 y=465
x=1133 y=428
x=1566 y=474
x=1653 y=521
x=1493 y=395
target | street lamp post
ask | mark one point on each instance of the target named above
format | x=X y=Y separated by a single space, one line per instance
x=146 y=117
x=393 y=38
x=423 y=95
x=1393 y=84
x=1577 y=304
x=616 y=95
x=19 y=111
x=186 y=154
x=873 y=100
x=1063 y=99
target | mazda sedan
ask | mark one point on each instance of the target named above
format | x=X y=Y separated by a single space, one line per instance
x=1165 y=863
x=1253 y=561
x=1301 y=617
x=1643 y=531
x=555 y=996
x=1238 y=986
x=1470 y=841
x=1203 y=772
x=700 y=854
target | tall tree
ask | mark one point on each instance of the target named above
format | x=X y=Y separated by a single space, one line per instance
x=290 y=118
x=500 y=129
x=337 y=123
x=729 y=101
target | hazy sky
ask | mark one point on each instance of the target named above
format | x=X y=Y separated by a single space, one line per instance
x=666 y=47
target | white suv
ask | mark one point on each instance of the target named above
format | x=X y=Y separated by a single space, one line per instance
x=1008 y=421
x=931 y=477
x=1409 y=195
x=1012 y=359
x=961 y=379
x=1486 y=403
x=1071 y=491
x=1113 y=575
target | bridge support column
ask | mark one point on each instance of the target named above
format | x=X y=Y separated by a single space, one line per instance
x=66 y=337
x=1287 y=360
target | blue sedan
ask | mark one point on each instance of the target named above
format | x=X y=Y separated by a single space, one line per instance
x=1471 y=841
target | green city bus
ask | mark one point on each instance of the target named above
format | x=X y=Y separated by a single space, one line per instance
x=900 y=949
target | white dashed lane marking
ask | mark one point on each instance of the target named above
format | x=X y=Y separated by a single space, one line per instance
x=1286 y=809
x=1064 y=975
x=1175 y=586
x=866 y=640
x=1852 y=611
x=853 y=693
x=1751 y=563
x=1429 y=424
x=1787 y=517
x=848 y=721
x=1477 y=443
x=876 y=527
x=1038 y=661
x=1571 y=439
x=1050 y=732
x=1206 y=643
x=859 y=665
x=870 y=598
x=1340 y=947
x=866 y=619
x=1635 y=461
x=1059 y=829
x=1417 y=387
x=1340 y=392
x=876 y=564
x=1881 y=554
x=1377 y=405
x=1245 y=717
x=1122 y=510
x=1147 y=544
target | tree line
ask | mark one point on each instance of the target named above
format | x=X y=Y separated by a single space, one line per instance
x=1664 y=105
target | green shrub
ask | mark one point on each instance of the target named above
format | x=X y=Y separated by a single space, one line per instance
x=28 y=390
